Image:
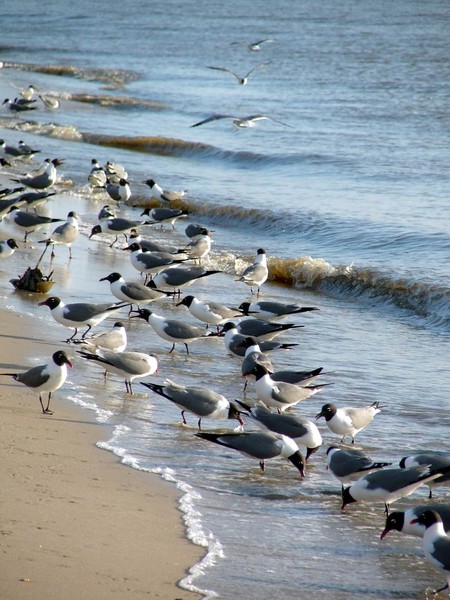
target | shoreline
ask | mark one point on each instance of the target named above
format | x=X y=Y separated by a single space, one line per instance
x=76 y=522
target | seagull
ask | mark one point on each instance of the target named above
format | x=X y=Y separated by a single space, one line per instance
x=348 y=420
x=254 y=356
x=160 y=194
x=198 y=248
x=27 y=222
x=64 y=235
x=44 y=178
x=79 y=314
x=436 y=543
x=241 y=80
x=129 y=365
x=268 y=310
x=151 y=246
x=106 y=213
x=261 y=445
x=164 y=215
x=200 y=401
x=97 y=176
x=348 y=465
x=114 y=340
x=233 y=340
x=175 y=278
x=151 y=262
x=130 y=291
x=115 y=226
x=264 y=330
x=49 y=102
x=256 y=46
x=115 y=172
x=241 y=122
x=21 y=151
x=172 y=330
x=257 y=273
x=303 y=431
x=388 y=485
x=435 y=460
x=277 y=394
x=45 y=378
x=211 y=313
x=401 y=520
x=195 y=230
x=34 y=199
x=120 y=192
x=8 y=247
x=28 y=93
x=20 y=104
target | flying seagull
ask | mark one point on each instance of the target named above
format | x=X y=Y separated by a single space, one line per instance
x=241 y=80
x=249 y=121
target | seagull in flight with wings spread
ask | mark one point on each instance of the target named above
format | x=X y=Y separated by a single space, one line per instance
x=241 y=80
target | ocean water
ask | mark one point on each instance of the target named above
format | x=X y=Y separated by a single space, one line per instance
x=350 y=202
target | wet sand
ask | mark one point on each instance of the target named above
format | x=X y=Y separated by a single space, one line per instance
x=76 y=524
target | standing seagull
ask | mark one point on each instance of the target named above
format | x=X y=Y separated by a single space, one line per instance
x=45 y=378
x=388 y=485
x=347 y=420
x=233 y=342
x=261 y=445
x=161 y=194
x=303 y=431
x=114 y=340
x=348 y=465
x=129 y=365
x=172 y=330
x=79 y=314
x=211 y=313
x=175 y=278
x=130 y=291
x=400 y=520
x=164 y=215
x=428 y=458
x=277 y=394
x=241 y=80
x=151 y=262
x=43 y=179
x=257 y=273
x=8 y=247
x=27 y=222
x=115 y=226
x=200 y=401
x=120 y=192
x=64 y=235
x=268 y=310
x=436 y=543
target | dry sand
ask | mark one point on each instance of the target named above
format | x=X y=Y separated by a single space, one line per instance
x=75 y=523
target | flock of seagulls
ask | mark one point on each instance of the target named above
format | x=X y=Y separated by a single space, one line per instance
x=250 y=332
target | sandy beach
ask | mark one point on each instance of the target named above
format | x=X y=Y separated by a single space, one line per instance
x=75 y=522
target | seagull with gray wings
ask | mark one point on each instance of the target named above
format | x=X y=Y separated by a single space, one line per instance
x=436 y=543
x=45 y=378
x=389 y=485
x=437 y=461
x=242 y=80
x=64 y=235
x=348 y=420
x=128 y=365
x=348 y=465
x=177 y=332
x=200 y=401
x=400 y=520
x=79 y=314
x=211 y=313
x=257 y=273
x=303 y=431
x=262 y=445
